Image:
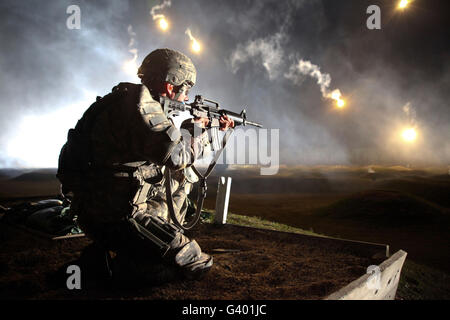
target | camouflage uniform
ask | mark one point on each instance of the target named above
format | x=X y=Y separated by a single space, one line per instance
x=113 y=163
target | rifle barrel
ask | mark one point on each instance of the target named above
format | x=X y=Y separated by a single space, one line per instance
x=253 y=124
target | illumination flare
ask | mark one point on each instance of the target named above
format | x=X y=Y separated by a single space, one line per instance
x=196 y=47
x=336 y=95
x=409 y=135
x=162 y=21
x=403 y=4
x=163 y=24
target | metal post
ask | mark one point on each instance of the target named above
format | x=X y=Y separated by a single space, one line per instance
x=222 y=199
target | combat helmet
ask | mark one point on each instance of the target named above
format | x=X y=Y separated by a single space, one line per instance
x=168 y=65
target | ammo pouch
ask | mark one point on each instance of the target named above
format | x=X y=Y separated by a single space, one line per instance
x=148 y=176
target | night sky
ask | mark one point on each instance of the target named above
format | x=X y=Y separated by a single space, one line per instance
x=394 y=78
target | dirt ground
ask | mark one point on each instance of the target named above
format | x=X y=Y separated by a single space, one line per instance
x=407 y=209
x=248 y=264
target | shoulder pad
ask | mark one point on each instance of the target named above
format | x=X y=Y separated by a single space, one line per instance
x=147 y=104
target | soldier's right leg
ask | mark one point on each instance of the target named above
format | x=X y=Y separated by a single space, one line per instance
x=169 y=245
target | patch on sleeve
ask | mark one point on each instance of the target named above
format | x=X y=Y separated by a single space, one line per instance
x=157 y=119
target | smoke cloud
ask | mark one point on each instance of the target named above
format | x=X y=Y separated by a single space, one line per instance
x=410 y=114
x=278 y=60
x=323 y=79
x=131 y=65
x=268 y=52
x=156 y=16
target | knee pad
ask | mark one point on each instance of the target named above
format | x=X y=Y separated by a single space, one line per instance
x=156 y=231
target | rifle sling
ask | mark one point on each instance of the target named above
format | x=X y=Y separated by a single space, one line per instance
x=201 y=188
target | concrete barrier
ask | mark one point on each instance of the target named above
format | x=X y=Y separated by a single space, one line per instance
x=380 y=283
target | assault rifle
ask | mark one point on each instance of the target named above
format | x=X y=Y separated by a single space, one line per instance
x=205 y=108
x=201 y=108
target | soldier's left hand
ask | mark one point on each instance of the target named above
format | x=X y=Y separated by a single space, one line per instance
x=226 y=123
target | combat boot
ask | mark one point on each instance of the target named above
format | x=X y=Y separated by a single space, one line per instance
x=190 y=258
